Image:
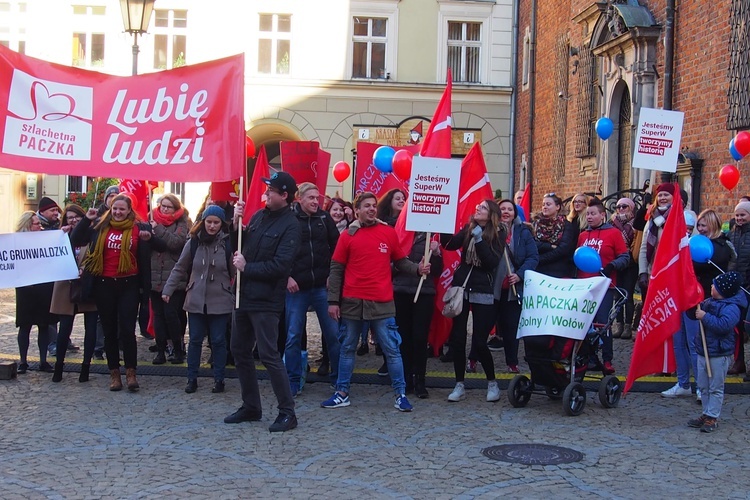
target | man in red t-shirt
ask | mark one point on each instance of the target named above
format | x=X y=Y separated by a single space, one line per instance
x=609 y=242
x=360 y=289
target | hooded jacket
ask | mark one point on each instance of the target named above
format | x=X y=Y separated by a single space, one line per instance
x=721 y=317
x=318 y=238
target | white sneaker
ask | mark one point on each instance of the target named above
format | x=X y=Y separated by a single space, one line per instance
x=676 y=392
x=493 y=391
x=458 y=394
x=698 y=395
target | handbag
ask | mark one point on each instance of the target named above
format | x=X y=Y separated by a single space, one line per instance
x=454 y=298
x=81 y=289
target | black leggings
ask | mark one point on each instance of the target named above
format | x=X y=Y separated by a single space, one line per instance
x=89 y=335
x=117 y=302
x=413 y=321
x=508 y=315
x=24 y=333
x=484 y=320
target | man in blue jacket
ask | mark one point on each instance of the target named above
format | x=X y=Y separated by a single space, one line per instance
x=270 y=244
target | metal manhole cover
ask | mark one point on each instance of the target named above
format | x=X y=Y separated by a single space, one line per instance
x=532 y=454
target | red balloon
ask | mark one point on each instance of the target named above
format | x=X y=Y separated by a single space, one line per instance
x=729 y=176
x=341 y=171
x=742 y=143
x=402 y=164
x=249 y=147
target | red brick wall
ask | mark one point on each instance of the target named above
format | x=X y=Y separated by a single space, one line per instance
x=700 y=90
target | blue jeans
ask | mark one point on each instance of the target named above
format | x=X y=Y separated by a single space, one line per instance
x=216 y=327
x=296 y=319
x=685 y=353
x=389 y=340
x=712 y=389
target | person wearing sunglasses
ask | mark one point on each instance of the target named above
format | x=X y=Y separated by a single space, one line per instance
x=622 y=220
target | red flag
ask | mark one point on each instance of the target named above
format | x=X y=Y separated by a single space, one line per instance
x=437 y=141
x=526 y=201
x=256 y=192
x=225 y=191
x=673 y=289
x=474 y=186
x=140 y=191
x=323 y=165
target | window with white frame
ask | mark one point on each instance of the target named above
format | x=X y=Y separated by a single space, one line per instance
x=13 y=26
x=464 y=51
x=526 y=60
x=76 y=184
x=464 y=31
x=170 y=38
x=369 y=43
x=274 y=43
x=88 y=40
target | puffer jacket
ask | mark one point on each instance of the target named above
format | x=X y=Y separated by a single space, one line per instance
x=482 y=277
x=270 y=245
x=719 y=321
x=740 y=239
x=209 y=282
x=318 y=238
x=406 y=282
x=524 y=256
x=166 y=245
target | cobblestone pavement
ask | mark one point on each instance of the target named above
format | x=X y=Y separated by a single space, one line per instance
x=78 y=440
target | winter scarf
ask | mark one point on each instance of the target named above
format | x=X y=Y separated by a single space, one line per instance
x=167 y=219
x=549 y=230
x=95 y=260
x=658 y=218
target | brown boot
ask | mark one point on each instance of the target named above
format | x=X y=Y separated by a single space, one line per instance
x=116 y=383
x=627 y=331
x=131 y=380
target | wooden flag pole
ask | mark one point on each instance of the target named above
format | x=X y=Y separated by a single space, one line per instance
x=239 y=246
x=427 y=256
x=705 y=347
x=150 y=199
x=510 y=271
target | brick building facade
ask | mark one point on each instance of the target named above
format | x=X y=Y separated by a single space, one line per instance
x=579 y=60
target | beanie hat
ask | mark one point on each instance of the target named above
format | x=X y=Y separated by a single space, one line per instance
x=728 y=284
x=216 y=211
x=111 y=190
x=46 y=203
x=743 y=205
x=626 y=201
x=665 y=186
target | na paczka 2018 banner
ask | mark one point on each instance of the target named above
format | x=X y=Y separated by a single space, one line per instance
x=180 y=125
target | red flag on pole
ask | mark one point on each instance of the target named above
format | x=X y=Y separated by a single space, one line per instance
x=673 y=289
x=139 y=190
x=256 y=192
x=437 y=141
x=526 y=201
x=225 y=191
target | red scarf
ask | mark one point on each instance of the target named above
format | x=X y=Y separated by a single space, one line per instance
x=167 y=219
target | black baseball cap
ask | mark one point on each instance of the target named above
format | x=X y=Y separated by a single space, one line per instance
x=283 y=182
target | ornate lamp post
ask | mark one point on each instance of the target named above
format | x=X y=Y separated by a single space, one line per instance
x=136 y=16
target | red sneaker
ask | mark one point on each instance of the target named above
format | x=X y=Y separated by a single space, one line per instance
x=608 y=368
x=513 y=369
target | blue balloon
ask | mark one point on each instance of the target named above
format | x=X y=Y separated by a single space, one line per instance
x=604 y=127
x=383 y=159
x=701 y=248
x=733 y=151
x=587 y=260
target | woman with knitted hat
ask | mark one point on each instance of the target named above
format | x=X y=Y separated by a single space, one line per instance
x=119 y=259
x=205 y=265
x=740 y=238
x=170 y=226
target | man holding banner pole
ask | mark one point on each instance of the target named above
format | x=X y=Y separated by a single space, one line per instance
x=271 y=242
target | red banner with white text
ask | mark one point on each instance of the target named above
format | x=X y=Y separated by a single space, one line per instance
x=180 y=125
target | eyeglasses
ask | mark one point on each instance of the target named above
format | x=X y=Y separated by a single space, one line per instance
x=75 y=217
x=578 y=202
x=482 y=207
x=167 y=207
x=622 y=207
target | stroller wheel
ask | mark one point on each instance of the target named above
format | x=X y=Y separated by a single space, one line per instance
x=574 y=399
x=610 y=391
x=553 y=392
x=519 y=391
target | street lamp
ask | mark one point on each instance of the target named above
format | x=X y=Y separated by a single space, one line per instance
x=136 y=16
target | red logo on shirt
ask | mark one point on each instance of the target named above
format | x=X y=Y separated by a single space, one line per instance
x=383 y=248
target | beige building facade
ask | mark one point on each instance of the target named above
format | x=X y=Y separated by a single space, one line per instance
x=318 y=70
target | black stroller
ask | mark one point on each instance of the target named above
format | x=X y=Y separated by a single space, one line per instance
x=558 y=366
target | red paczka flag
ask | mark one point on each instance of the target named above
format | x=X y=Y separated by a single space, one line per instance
x=225 y=191
x=673 y=289
x=256 y=192
x=437 y=141
x=140 y=191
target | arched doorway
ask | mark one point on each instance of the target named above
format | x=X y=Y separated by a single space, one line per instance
x=270 y=135
x=625 y=129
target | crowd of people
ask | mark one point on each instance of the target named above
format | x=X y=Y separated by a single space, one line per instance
x=248 y=285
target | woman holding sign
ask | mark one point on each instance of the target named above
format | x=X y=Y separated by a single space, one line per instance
x=520 y=256
x=555 y=239
x=482 y=243
x=119 y=258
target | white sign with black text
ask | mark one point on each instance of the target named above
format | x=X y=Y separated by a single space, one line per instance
x=433 y=196
x=657 y=140
x=35 y=257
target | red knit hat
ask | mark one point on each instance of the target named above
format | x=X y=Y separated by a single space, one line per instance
x=665 y=186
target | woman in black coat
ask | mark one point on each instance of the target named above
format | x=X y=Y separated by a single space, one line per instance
x=556 y=239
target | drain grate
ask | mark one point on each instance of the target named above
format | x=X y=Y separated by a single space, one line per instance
x=532 y=454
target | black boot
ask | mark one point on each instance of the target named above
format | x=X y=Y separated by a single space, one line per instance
x=84 y=376
x=409 y=384
x=419 y=387
x=57 y=376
